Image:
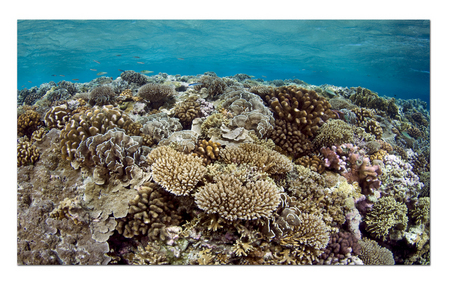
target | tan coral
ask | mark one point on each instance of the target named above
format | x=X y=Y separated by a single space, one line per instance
x=208 y=150
x=314 y=163
x=334 y=132
x=26 y=153
x=57 y=116
x=267 y=160
x=414 y=132
x=233 y=200
x=373 y=254
x=28 y=122
x=187 y=111
x=379 y=155
x=38 y=135
x=176 y=172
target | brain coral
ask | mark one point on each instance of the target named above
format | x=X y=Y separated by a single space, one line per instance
x=114 y=154
x=176 y=172
x=334 y=132
x=232 y=199
x=269 y=161
x=88 y=123
x=373 y=254
x=149 y=213
x=386 y=217
x=101 y=95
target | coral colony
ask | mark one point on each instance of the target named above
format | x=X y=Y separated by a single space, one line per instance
x=188 y=170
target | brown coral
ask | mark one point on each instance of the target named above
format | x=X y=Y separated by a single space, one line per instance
x=232 y=199
x=57 y=116
x=334 y=132
x=314 y=163
x=363 y=97
x=414 y=132
x=101 y=95
x=214 y=85
x=208 y=150
x=176 y=172
x=373 y=254
x=156 y=94
x=187 y=111
x=28 y=122
x=379 y=155
x=26 y=153
x=267 y=160
x=150 y=212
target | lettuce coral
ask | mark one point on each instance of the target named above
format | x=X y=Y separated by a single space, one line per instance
x=232 y=199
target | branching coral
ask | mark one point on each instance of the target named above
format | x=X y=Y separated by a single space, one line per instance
x=134 y=77
x=27 y=123
x=114 y=154
x=363 y=97
x=420 y=212
x=176 y=172
x=187 y=111
x=88 y=123
x=156 y=94
x=101 y=95
x=26 y=153
x=314 y=163
x=267 y=160
x=386 y=218
x=334 y=132
x=373 y=254
x=150 y=212
x=208 y=150
x=232 y=199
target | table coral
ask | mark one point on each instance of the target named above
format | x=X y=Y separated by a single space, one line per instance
x=232 y=199
x=150 y=212
x=267 y=160
x=373 y=254
x=114 y=155
x=386 y=217
x=176 y=172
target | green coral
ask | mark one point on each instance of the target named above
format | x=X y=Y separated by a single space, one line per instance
x=386 y=217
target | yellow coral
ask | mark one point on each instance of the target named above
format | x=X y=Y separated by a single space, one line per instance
x=176 y=172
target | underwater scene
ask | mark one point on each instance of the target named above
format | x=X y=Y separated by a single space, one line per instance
x=223 y=142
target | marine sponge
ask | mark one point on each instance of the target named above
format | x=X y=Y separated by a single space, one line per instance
x=134 y=77
x=187 y=111
x=57 y=116
x=176 y=172
x=149 y=213
x=232 y=199
x=308 y=239
x=101 y=95
x=114 y=154
x=386 y=217
x=28 y=122
x=88 y=123
x=267 y=160
x=26 y=153
x=373 y=254
x=156 y=94
x=334 y=132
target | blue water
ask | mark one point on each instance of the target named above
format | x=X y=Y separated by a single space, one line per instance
x=389 y=57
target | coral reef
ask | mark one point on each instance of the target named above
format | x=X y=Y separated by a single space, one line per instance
x=101 y=95
x=28 y=122
x=156 y=94
x=334 y=132
x=183 y=141
x=213 y=84
x=187 y=111
x=176 y=172
x=57 y=116
x=232 y=199
x=363 y=97
x=26 y=153
x=134 y=77
x=159 y=126
x=314 y=163
x=340 y=246
x=208 y=150
x=373 y=254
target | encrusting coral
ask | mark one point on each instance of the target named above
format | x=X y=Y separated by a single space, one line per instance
x=267 y=160
x=386 y=218
x=373 y=254
x=176 y=172
x=232 y=199
x=150 y=212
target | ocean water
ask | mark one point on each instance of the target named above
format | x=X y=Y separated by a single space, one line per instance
x=390 y=57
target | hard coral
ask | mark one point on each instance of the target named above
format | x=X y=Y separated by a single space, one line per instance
x=267 y=160
x=341 y=244
x=28 y=122
x=150 y=212
x=187 y=111
x=232 y=199
x=176 y=172
x=134 y=77
x=208 y=150
x=156 y=94
x=363 y=97
x=214 y=85
x=386 y=217
x=26 y=153
x=101 y=95
x=160 y=126
x=57 y=116
x=373 y=254
x=334 y=132
x=114 y=154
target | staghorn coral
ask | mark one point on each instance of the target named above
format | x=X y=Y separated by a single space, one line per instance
x=57 y=116
x=334 y=132
x=149 y=213
x=28 y=122
x=101 y=95
x=156 y=94
x=267 y=160
x=176 y=172
x=232 y=199
x=134 y=77
x=386 y=218
x=187 y=111
x=373 y=254
x=26 y=153
x=89 y=123
x=114 y=154
x=208 y=150
x=308 y=239
x=363 y=97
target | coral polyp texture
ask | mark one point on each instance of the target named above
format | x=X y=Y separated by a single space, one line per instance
x=232 y=199
x=176 y=172
x=188 y=170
